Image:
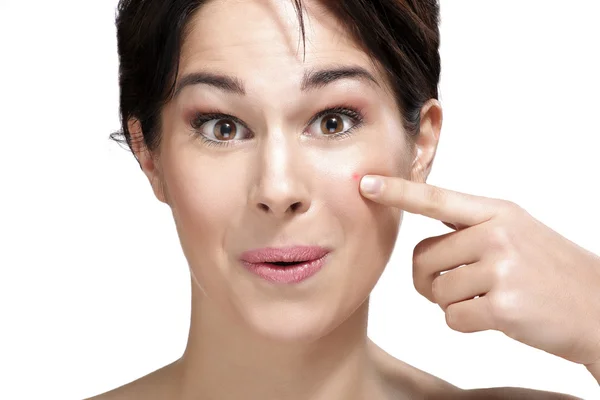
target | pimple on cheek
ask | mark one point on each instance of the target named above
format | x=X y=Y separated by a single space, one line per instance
x=355 y=177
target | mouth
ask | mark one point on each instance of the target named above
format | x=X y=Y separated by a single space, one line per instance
x=285 y=265
x=284 y=256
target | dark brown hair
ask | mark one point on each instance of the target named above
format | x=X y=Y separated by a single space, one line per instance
x=401 y=35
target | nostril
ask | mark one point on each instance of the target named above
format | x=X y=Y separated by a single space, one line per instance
x=293 y=208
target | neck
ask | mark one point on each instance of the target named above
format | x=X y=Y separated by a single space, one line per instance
x=224 y=360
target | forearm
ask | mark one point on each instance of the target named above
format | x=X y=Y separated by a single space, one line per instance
x=594 y=370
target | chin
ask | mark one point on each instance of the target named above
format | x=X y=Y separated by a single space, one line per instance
x=293 y=322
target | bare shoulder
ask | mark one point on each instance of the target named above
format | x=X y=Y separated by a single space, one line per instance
x=407 y=381
x=514 y=393
x=156 y=385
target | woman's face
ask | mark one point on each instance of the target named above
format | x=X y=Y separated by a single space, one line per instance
x=278 y=173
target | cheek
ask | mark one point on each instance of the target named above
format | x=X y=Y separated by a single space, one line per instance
x=341 y=173
x=379 y=152
x=368 y=230
x=368 y=227
x=203 y=202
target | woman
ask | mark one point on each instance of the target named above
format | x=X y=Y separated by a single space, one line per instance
x=287 y=165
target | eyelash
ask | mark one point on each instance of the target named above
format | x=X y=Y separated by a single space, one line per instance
x=200 y=119
x=349 y=111
x=355 y=114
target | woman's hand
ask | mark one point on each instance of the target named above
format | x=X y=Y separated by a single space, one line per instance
x=506 y=270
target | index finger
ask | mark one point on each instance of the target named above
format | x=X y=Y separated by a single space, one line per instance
x=431 y=201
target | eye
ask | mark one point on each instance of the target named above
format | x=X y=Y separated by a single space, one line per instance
x=335 y=122
x=220 y=128
x=331 y=124
x=225 y=129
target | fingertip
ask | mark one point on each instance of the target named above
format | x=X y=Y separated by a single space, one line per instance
x=371 y=185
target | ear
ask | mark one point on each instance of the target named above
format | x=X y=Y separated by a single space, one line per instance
x=427 y=140
x=148 y=162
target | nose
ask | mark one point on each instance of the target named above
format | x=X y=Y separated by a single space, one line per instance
x=281 y=204
x=281 y=188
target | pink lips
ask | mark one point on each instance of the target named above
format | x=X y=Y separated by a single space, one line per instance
x=304 y=262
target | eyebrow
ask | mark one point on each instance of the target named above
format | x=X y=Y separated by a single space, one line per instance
x=315 y=79
x=312 y=79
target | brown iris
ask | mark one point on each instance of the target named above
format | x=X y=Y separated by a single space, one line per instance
x=331 y=124
x=225 y=129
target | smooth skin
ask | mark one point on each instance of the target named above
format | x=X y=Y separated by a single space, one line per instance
x=283 y=180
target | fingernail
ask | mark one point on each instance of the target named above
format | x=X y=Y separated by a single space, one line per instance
x=370 y=185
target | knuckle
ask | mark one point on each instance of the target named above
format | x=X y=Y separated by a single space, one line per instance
x=498 y=237
x=418 y=285
x=399 y=189
x=453 y=318
x=420 y=251
x=503 y=306
x=422 y=286
x=508 y=204
x=511 y=205
x=436 y=198
x=512 y=208
x=503 y=270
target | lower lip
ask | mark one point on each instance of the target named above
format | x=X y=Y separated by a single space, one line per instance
x=292 y=274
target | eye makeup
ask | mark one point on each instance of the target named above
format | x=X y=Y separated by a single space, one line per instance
x=356 y=115
x=199 y=121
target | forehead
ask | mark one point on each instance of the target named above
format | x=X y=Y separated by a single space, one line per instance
x=261 y=39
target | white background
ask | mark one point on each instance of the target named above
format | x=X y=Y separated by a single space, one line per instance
x=93 y=285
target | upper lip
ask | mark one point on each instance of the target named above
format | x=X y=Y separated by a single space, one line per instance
x=284 y=254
